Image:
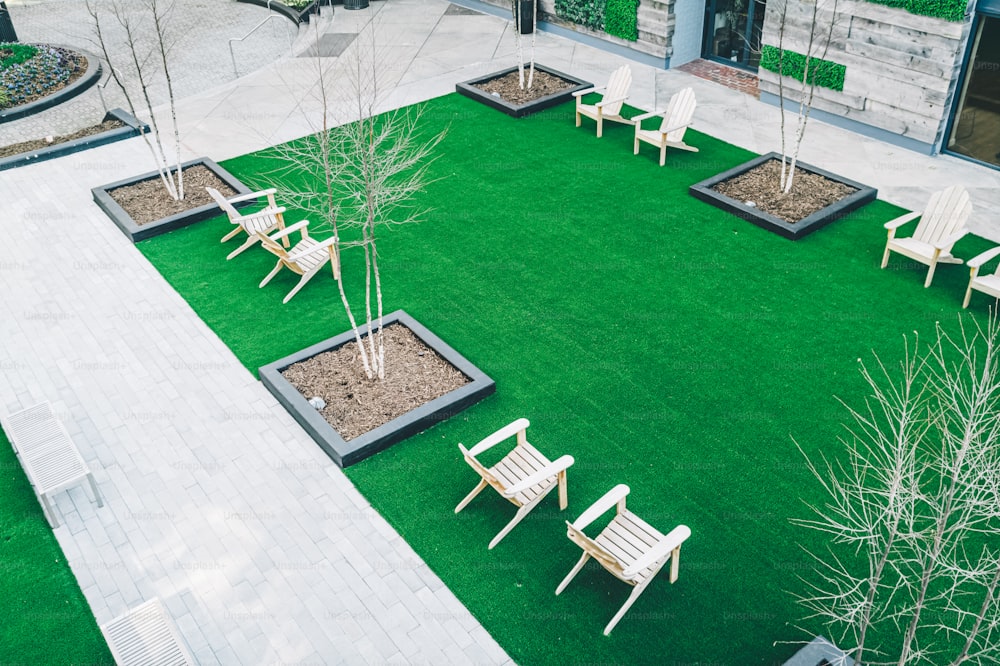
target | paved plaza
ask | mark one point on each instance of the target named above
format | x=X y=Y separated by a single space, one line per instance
x=216 y=501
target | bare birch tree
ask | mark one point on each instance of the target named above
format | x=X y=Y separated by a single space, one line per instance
x=143 y=28
x=821 y=17
x=518 y=38
x=367 y=169
x=913 y=513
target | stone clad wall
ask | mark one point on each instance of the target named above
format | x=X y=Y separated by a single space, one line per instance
x=655 y=25
x=901 y=68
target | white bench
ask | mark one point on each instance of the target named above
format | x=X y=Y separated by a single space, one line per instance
x=47 y=454
x=145 y=636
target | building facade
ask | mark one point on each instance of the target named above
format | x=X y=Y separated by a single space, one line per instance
x=925 y=82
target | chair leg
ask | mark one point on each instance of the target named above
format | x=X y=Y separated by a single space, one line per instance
x=573 y=572
x=305 y=278
x=97 y=493
x=624 y=609
x=675 y=563
x=468 y=498
x=636 y=151
x=578 y=117
x=521 y=513
x=563 y=493
x=232 y=233
x=663 y=154
x=600 y=125
x=930 y=273
x=968 y=292
x=277 y=267
x=250 y=242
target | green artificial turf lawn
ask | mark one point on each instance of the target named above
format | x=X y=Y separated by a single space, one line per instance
x=661 y=342
x=46 y=619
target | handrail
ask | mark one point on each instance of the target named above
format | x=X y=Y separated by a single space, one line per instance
x=102 y=86
x=232 y=56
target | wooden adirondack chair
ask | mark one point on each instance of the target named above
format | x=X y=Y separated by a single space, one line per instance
x=524 y=476
x=629 y=548
x=263 y=221
x=988 y=284
x=610 y=106
x=306 y=257
x=941 y=226
x=676 y=120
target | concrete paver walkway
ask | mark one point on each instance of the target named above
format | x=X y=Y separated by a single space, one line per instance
x=217 y=502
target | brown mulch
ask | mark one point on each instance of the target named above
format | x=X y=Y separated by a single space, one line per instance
x=148 y=200
x=508 y=86
x=762 y=185
x=37 y=144
x=414 y=375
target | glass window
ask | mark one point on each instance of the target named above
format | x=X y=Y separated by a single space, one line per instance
x=975 y=128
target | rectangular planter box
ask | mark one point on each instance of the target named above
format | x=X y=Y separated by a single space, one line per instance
x=703 y=190
x=132 y=128
x=346 y=453
x=136 y=232
x=469 y=89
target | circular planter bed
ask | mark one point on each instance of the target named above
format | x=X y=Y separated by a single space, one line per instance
x=501 y=90
x=141 y=208
x=749 y=191
x=117 y=125
x=55 y=74
x=296 y=14
x=450 y=384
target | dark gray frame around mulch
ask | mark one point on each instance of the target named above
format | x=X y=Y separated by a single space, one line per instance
x=133 y=127
x=790 y=230
x=89 y=78
x=136 y=232
x=469 y=89
x=347 y=453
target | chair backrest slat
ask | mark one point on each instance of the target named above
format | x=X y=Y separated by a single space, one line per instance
x=679 y=112
x=595 y=550
x=618 y=85
x=947 y=211
x=229 y=209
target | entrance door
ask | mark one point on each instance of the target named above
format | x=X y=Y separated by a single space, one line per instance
x=732 y=31
x=975 y=126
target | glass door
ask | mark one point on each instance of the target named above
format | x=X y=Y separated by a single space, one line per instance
x=732 y=31
x=975 y=125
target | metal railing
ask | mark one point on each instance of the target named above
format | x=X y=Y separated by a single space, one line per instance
x=104 y=84
x=232 y=55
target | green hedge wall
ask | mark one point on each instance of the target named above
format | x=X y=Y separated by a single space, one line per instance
x=949 y=10
x=615 y=17
x=821 y=72
x=621 y=20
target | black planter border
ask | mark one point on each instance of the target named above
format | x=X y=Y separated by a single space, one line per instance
x=469 y=89
x=296 y=16
x=132 y=128
x=136 y=232
x=803 y=227
x=346 y=453
x=89 y=78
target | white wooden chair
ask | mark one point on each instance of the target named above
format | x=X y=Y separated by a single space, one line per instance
x=988 y=284
x=629 y=548
x=610 y=106
x=524 y=476
x=670 y=134
x=941 y=226
x=266 y=220
x=49 y=457
x=305 y=258
x=146 y=636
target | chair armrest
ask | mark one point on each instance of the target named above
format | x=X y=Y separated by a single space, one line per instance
x=263 y=212
x=676 y=537
x=605 y=102
x=295 y=256
x=610 y=498
x=951 y=240
x=982 y=258
x=642 y=116
x=252 y=195
x=500 y=435
x=287 y=230
x=546 y=472
x=902 y=219
x=675 y=127
x=581 y=93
